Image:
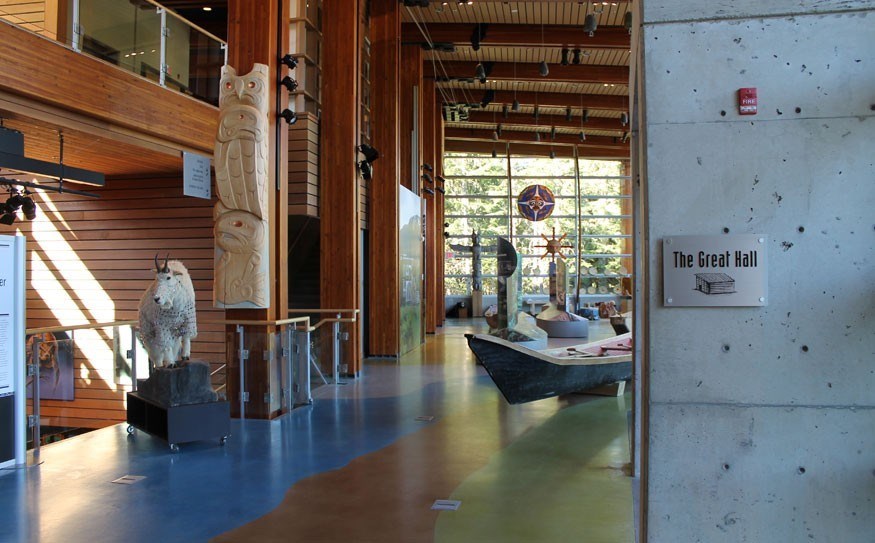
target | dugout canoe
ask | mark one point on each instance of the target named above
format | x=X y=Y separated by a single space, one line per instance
x=525 y=375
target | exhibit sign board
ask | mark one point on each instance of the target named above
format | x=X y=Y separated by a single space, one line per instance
x=196 y=175
x=12 y=285
x=715 y=271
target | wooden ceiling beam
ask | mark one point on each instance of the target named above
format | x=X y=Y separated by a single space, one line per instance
x=546 y=121
x=557 y=99
x=573 y=73
x=533 y=149
x=509 y=35
x=507 y=134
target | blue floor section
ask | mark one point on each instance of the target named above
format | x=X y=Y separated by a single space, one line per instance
x=206 y=489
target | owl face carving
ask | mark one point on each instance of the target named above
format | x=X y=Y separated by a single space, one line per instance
x=250 y=89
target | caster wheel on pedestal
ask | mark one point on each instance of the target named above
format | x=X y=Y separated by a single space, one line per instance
x=174 y=448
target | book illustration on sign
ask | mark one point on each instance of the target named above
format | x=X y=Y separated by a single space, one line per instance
x=714 y=283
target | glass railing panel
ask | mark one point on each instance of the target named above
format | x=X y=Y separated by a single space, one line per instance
x=127 y=34
x=194 y=60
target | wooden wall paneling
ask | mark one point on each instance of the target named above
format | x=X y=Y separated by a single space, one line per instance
x=431 y=230
x=440 y=310
x=87 y=263
x=303 y=166
x=339 y=207
x=411 y=77
x=104 y=92
x=258 y=32
x=383 y=312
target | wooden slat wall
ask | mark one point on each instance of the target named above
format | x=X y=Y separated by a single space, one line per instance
x=304 y=166
x=29 y=15
x=91 y=260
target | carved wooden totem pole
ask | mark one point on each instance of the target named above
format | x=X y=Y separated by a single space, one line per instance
x=241 y=215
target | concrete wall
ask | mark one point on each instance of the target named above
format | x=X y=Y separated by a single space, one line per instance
x=773 y=440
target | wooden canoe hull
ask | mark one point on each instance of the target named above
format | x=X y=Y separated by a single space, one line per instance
x=524 y=376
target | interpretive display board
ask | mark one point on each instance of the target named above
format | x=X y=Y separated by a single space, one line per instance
x=410 y=245
x=196 y=175
x=715 y=271
x=12 y=280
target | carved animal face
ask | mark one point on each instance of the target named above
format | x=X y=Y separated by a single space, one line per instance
x=239 y=232
x=250 y=89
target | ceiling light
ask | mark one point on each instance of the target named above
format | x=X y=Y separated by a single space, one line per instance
x=576 y=59
x=552 y=153
x=537 y=136
x=590 y=25
x=495 y=135
x=543 y=69
x=516 y=106
x=568 y=114
x=624 y=119
x=498 y=130
x=208 y=8
x=536 y=113
x=504 y=111
x=565 y=52
x=627 y=21
x=582 y=136
x=494 y=154
x=552 y=132
x=28 y=207
x=480 y=73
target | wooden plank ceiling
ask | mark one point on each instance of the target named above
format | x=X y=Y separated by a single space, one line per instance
x=585 y=92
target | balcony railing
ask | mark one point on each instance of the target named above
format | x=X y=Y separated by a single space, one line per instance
x=139 y=36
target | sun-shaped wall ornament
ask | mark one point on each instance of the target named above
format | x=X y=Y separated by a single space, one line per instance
x=554 y=246
x=536 y=202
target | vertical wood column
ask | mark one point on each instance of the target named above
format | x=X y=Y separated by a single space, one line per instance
x=411 y=77
x=440 y=306
x=339 y=190
x=258 y=33
x=384 y=326
x=433 y=234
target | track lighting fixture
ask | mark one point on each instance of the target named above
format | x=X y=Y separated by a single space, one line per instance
x=495 y=135
x=440 y=178
x=480 y=72
x=289 y=61
x=552 y=132
x=515 y=107
x=440 y=189
x=427 y=167
x=28 y=207
x=427 y=178
x=498 y=130
x=565 y=52
x=576 y=59
x=504 y=111
x=537 y=136
x=290 y=84
x=536 y=113
x=624 y=118
x=543 y=69
x=290 y=116
x=585 y=115
x=494 y=154
x=627 y=21
x=369 y=152
x=582 y=136
x=590 y=24
x=15 y=201
x=568 y=114
x=428 y=191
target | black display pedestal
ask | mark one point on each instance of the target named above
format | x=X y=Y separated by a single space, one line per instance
x=182 y=423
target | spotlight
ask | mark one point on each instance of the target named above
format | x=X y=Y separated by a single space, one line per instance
x=627 y=21
x=478 y=35
x=504 y=111
x=447 y=235
x=365 y=170
x=290 y=84
x=440 y=178
x=7 y=218
x=494 y=154
x=370 y=153
x=582 y=136
x=568 y=114
x=536 y=113
x=498 y=130
x=590 y=24
x=543 y=69
x=428 y=191
x=576 y=59
x=439 y=189
x=624 y=119
x=585 y=115
x=28 y=207
x=14 y=202
x=427 y=167
x=565 y=52
x=480 y=73
x=552 y=154
x=495 y=135
x=552 y=132
x=289 y=61
x=290 y=116
x=446 y=225
x=427 y=178
x=516 y=106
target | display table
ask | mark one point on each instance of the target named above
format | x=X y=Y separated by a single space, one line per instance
x=182 y=423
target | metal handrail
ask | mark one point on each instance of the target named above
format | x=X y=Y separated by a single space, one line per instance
x=48 y=329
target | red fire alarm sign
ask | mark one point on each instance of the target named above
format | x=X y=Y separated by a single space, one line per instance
x=747 y=101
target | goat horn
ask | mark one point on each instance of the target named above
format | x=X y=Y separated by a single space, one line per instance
x=166 y=269
x=157 y=267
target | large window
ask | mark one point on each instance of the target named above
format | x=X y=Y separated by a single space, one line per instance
x=592 y=210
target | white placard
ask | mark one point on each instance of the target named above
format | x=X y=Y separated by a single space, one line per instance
x=715 y=271
x=196 y=175
x=7 y=310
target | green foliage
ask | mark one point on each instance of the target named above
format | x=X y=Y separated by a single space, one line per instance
x=479 y=200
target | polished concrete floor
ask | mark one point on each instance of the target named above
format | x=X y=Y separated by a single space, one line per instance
x=365 y=462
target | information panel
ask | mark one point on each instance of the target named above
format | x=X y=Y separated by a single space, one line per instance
x=196 y=175
x=715 y=271
x=7 y=301
x=12 y=319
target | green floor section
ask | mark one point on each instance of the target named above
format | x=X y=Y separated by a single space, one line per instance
x=564 y=481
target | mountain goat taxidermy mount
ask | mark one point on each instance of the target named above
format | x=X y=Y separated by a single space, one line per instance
x=167 y=314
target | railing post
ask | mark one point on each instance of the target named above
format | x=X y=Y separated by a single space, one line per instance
x=76 y=30
x=162 y=71
x=302 y=361
x=133 y=358
x=289 y=352
x=242 y=353
x=336 y=327
x=34 y=370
